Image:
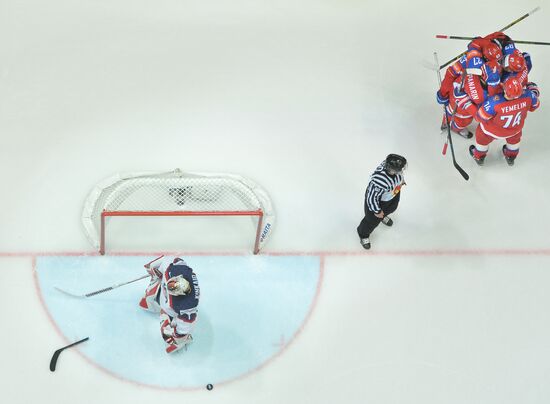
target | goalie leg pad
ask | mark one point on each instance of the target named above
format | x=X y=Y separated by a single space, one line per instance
x=166 y=328
x=178 y=342
x=149 y=302
x=174 y=341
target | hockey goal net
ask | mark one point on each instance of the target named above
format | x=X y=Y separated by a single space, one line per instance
x=176 y=193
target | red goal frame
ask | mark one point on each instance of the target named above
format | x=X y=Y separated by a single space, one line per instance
x=107 y=213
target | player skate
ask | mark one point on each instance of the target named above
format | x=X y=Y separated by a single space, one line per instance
x=509 y=155
x=478 y=156
x=465 y=133
x=444 y=124
x=387 y=221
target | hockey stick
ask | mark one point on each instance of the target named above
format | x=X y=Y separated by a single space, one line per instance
x=449 y=122
x=444 y=151
x=469 y=38
x=56 y=354
x=97 y=292
x=500 y=30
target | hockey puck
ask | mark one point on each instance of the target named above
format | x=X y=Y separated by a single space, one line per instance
x=209 y=386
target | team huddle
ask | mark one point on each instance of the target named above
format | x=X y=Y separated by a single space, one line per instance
x=490 y=84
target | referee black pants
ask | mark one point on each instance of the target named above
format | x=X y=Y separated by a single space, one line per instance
x=370 y=222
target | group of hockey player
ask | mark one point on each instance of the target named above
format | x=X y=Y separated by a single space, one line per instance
x=489 y=83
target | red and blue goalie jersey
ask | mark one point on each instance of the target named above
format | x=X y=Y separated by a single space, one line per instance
x=503 y=118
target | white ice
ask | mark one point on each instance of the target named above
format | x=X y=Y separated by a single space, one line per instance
x=305 y=98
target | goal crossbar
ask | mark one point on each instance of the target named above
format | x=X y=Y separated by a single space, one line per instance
x=133 y=213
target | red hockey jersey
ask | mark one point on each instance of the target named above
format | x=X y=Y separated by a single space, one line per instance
x=502 y=118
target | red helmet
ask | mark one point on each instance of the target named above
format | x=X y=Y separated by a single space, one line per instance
x=512 y=88
x=515 y=61
x=492 y=51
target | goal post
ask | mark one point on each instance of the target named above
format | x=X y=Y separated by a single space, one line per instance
x=176 y=193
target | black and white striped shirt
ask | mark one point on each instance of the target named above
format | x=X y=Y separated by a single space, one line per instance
x=382 y=187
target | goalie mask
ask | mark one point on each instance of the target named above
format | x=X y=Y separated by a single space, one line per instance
x=395 y=164
x=178 y=286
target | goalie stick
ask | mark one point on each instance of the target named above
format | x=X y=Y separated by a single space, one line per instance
x=524 y=16
x=97 y=292
x=56 y=354
x=449 y=122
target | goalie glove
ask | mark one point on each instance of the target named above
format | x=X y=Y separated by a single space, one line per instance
x=153 y=270
x=150 y=300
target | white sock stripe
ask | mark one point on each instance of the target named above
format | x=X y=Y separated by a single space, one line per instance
x=482 y=148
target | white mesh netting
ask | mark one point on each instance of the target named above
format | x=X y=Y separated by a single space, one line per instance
x=174 y=191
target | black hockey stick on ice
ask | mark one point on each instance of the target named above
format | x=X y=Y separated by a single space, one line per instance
x=97 y=292
x=524 y=16
x=56 y=354
x=449 y=122
x=469 y=38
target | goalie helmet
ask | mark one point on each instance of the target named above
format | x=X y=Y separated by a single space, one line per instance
x=512 y=88
x=395 y=164
x=178 y=286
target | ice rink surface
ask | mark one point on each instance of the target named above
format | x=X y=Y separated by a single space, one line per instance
x=305 y=98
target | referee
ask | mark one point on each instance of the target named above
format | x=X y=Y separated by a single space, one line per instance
x=382 y=196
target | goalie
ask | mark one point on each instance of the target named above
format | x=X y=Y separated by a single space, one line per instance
x=174 y=292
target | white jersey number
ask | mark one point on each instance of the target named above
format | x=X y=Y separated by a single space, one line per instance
x=511 y=120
